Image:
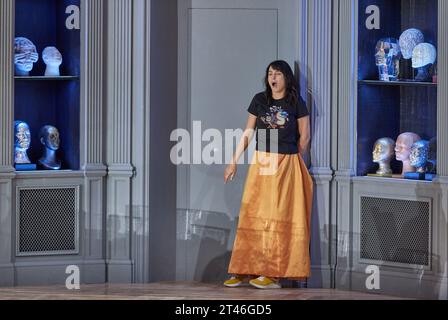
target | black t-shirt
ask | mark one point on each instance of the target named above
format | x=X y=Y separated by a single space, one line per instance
x=280 y=116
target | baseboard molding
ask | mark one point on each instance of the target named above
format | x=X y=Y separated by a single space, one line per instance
x=321 y=277
x=119 y=271
x=398 y=284
x=6 y=275
x=54 y=273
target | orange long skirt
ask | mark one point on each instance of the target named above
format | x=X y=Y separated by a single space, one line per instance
x=273 y=235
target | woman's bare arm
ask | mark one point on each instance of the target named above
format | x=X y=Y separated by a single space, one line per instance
x=305 y=136
x=247 y=137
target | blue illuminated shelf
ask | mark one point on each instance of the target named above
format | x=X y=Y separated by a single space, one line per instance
x=41 y=100
x=397 y=83
x=43 y=78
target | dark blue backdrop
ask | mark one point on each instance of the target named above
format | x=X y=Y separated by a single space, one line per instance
x=54 y=102
x=386 y=110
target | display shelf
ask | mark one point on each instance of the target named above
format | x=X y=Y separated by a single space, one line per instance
x=39 y=174
x=387 y=109
x=44 y=78
x=398 y=83
x=393 y=180
x=50 y=100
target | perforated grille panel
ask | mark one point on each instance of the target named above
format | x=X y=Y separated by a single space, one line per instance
x=47 y=221
x=395 y=230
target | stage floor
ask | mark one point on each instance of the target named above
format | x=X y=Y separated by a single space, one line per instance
x=178 y=291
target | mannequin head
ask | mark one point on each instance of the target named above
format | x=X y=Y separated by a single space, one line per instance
x=49 y=137
x=403 y=149
x=387 y=57
x=53 y=59
x=383 y=150
x=22 y=135
x=423 y=54
x=404 y=144
x=408 y=40
x=382 y=154
x=25 y=55
x=22 y=142
x=419 y=155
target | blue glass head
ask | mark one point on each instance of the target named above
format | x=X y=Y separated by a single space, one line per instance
x=387 y=57
x=419 y=155
x=22 y=142
x=25 y=55
x=22 y=135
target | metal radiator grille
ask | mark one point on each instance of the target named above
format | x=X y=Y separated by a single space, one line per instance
x=395 y=230
x=47 y=221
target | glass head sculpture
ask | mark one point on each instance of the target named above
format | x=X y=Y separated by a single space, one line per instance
x=403 y=147
x=423 y=56
x=419 y=155
x=53 y=59
x=22 y=142
x=387 y=58
x=409 y=39
x=49 y=137
x=382 y=154
x=25 y=55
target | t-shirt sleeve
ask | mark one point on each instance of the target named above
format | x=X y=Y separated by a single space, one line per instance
x=253 y=107
x=301 y=109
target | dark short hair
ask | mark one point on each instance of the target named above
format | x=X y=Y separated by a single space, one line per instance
x=290 y=82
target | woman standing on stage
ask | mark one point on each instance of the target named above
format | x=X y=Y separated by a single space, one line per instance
x=273 y=236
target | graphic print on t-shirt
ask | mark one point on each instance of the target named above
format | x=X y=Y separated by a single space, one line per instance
x=276 y=118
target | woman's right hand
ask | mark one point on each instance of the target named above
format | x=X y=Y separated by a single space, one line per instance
x=229 y=173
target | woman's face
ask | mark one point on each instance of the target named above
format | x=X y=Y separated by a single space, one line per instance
x=276 y=81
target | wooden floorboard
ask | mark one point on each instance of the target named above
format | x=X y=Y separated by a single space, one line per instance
x=178 y=291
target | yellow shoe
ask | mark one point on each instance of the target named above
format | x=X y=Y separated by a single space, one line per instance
x=233 y=282
x=265 y=283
